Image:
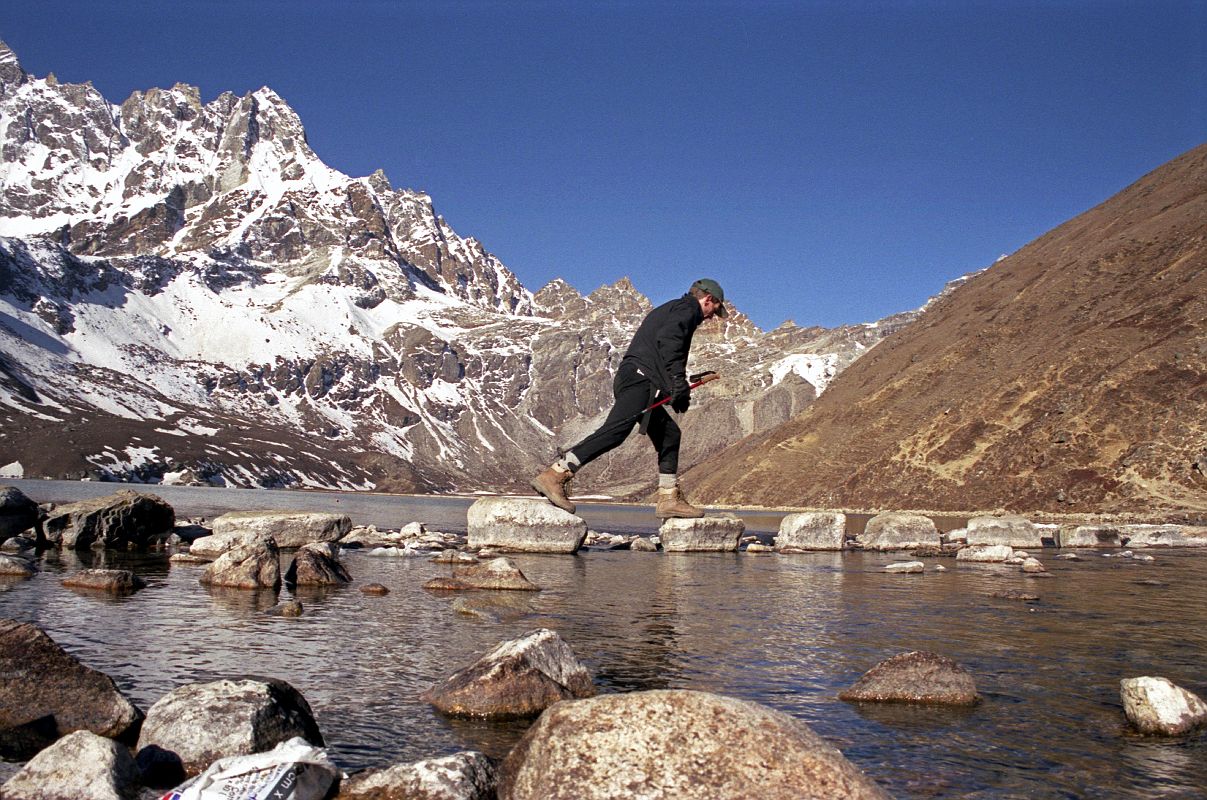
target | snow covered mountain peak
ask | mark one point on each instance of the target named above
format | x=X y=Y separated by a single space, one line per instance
x=186 y=286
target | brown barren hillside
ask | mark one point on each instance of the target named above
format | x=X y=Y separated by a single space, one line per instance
x=1070 y=377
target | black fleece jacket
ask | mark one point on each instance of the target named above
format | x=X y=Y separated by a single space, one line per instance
x=659 y=348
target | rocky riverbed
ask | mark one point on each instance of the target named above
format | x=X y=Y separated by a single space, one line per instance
x=790 y=631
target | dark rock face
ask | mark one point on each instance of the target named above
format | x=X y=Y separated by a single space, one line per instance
x=124 y=519
x=17 y=512
x=915 y=677
x=519 y=678
x=676 y=745
x=313 y=566
x=194 y=725
x=114 y=581
x=47 y=693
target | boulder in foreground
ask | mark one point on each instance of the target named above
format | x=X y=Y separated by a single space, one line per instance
x=1159 y=706
x=915 y=677
x=813 y=530
x=517 y=679
x=80 y=765
x=123 y=519
x=676 y=745
x=194 y=725
x=253 y=566
x=467 y=775
x=897 y=531
x=46 y=693
x=521 y=524
x=702 y=535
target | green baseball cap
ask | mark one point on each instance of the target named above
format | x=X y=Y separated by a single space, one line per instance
x=713 y=288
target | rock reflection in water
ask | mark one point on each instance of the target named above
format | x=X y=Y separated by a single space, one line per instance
x=788 y=631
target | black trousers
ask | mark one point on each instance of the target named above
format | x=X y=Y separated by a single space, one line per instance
x=634 y=393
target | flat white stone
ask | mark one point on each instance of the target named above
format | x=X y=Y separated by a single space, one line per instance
x=909 y=567
x=703 y=534
x=523 y=525
x=812 y=530
x=1163 y=535
x=986 y=553
x=1010 y=530
x=899 y=531
x=1158 y=705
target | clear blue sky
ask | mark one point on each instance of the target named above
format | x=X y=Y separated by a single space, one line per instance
x=827 y=162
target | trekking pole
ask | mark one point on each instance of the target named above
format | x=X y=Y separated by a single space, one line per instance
x=695 y=381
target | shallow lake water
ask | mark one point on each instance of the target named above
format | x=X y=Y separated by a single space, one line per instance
x=787 y=631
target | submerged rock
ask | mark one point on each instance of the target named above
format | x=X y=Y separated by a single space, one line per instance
x=915 y=677
x=676 y=745
x=453 y=557
x=518 y=678
x=47 y=693
x=1158 y=705
x=375 y=589
x=813 y=530
x=986 y=553
x=467 y=775
x=15 y=566
x=520 y=524
x=701 y=535
x=194 y=725
x=114 y=581
x=907 y=567
x=80 y=765
x=498 y=573
x=897 y=531
x=643 y=545
x=1015 y=594
x=290 y=608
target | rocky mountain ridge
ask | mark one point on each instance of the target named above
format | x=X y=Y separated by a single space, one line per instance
x=187 y=293
x=1071 y=377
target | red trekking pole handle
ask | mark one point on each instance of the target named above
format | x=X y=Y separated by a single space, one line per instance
x=696 y=381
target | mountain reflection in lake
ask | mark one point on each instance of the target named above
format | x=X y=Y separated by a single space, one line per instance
x=787 y=631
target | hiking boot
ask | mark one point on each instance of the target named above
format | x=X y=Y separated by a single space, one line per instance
x=552 y=484
x=672 y=504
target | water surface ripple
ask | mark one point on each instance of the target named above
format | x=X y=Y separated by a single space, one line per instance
x=787 y=631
